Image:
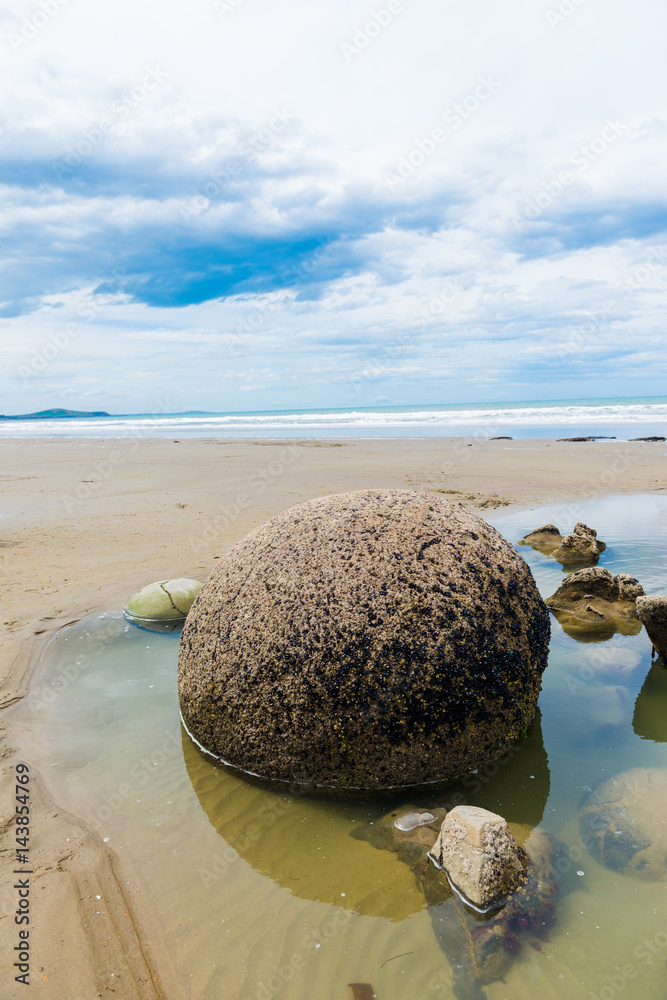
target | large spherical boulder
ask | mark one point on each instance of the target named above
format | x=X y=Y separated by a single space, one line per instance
x=367 y=640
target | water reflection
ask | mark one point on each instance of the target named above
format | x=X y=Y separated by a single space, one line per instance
x=303 y=843
x=650 y=718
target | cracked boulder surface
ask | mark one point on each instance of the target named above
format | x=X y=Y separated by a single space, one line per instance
x=363 y=641
x=164 y=600
x=593 y=601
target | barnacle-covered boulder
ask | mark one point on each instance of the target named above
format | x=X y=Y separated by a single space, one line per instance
x=368 y=640
x=482 y=859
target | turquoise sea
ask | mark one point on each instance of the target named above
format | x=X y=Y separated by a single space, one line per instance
x=623 y=418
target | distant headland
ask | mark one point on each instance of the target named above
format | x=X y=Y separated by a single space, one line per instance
x=56 y=415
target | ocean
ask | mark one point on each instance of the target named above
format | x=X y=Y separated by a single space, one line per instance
x=623 y=418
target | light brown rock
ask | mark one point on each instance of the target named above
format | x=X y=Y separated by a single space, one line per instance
x=482 y=859
x=580 y=548
x=545 y=539
x=652 y=611
x=592 y=599
x=366 y=640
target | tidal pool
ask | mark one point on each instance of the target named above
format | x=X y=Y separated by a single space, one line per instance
x=264 y=894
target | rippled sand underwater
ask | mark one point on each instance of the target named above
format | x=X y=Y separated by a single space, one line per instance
x=263 y=894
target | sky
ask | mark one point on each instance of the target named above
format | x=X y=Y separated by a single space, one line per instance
x=248 y=205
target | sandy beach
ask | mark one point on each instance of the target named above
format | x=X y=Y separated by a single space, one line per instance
x=86 y=523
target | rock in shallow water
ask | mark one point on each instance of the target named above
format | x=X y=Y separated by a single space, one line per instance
x=581 y=548
x=480 y=949
x=164 y=600
x=624 y=822
x=483 y=861
x=367 y=640
x=592 y=600
x=545 y=539
x=652 y=611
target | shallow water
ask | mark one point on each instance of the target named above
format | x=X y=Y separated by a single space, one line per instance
x=261 y=894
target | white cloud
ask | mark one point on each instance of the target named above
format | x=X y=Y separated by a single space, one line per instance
x=333 y=264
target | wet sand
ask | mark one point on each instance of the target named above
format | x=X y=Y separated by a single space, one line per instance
x=88 y=522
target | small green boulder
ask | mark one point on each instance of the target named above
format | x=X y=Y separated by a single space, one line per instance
x=166 y=600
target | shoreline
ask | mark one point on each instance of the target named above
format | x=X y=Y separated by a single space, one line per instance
x=87 y=522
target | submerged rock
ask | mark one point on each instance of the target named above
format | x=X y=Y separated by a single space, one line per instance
x=592 y=600
x=480 y=947
x=580 y=548
x=482 y=860
x=623 y=822
x=362 y=991
x=652 y=611
x=165 y=600
x=411 y=846
x=545 y=539
x=410 y=821
x=376 y=639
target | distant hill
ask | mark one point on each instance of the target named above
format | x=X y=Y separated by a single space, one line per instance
x=56 y=414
